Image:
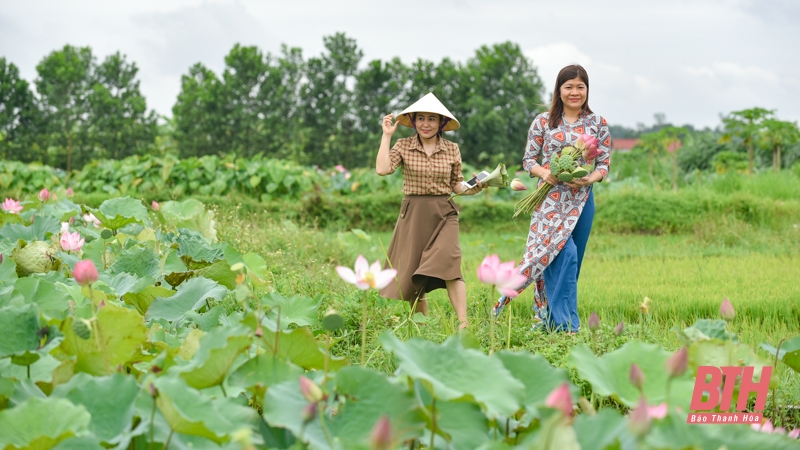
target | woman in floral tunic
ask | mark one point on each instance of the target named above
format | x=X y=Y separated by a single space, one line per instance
x=560 y=227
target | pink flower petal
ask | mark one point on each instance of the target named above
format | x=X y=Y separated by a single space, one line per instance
x=361 y=266
x=384 y=278
x=657 y=412
x=561 y=399
x=510 y=293
x=375 y=268
x=346 y=274
x=794 y=434
x=486 y=274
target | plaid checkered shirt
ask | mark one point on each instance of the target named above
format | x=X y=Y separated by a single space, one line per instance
x=437 y=174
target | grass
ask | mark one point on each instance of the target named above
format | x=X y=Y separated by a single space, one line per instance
x=686 y=276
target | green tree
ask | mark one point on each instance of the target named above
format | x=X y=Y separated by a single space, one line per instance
x=777 y=135
x=328 y=100
x=505 y=95
x=746 y=125
x=243 y=77
x=119 y=122
x=63 y=85
x=18 y=114
x=200 y=127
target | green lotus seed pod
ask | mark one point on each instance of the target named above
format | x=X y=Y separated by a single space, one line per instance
x=565 y=176
x=81 y=329
x=555 y=169
x=332 y=322
x=106 y=234
x=580 y=172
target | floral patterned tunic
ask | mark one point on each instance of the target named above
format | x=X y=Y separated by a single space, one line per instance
x=552 y=223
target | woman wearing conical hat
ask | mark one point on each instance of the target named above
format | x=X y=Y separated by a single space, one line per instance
x=424 y=247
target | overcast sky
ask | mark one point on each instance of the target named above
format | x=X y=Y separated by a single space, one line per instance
x=689 y=59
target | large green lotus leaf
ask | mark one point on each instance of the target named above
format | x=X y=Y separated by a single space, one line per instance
x=43 y=293
x=143 y=299
x=609 y=375
x=196 y=253
x=6 y=218
x=256 y=268
x=674 y=432
x=300 y=310
x=705 y=329
x=218 y=350
x=370 y=395
x=208 y=320
x=115 y=213
x=190 y=412
x=6 y=388
x=283 y=407
x=265 y=369
x=173 y=263
x=20 y=325
x=230 y=254
x=122 y=333
x=454 y=372
x=125 y=283
x=555 y=433
x=40 y=230
x=190 y=295
x=719 y=353
x=80 y=443
x=8 y=271
x=220 y=272
x=40 y=423
x=190 y=214
x=606 y=430
x=789 y=353
x=300 y=347
x=140 y=261
x=538 y=376
x=464 y=422
x=109 y=400
x=40 y=369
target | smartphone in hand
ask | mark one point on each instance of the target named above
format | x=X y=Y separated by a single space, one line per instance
x=469 y=184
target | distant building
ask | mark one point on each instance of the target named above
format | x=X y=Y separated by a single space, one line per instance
x=623 y=144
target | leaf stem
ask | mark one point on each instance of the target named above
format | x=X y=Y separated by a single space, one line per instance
x=364 y=329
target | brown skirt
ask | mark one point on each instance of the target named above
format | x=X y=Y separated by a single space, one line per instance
x=424 y=247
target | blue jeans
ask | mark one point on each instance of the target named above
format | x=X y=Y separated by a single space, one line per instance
x=561 y=276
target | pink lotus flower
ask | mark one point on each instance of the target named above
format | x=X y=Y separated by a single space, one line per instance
x=12 y=206
x=560 y=399
x=155 y=206
x=44 y=195
x=518 y=185
x=726 y=310
x=340 y=168
x=310 y=390
x=85 y=272
x=504 y=276
x=70 y=192
x=380 y=438
x=619 y=328
x=365 y=276
x=71 y=242
x=90 y=218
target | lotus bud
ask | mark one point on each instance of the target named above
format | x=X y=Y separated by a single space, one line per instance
x=637 y=376
x=44 y=195
x=70 y=192
x=794 y=434
x=677 y=363
x=259 y=331
x=1 y=258
x=85 y=272
x=380 y=438
x=726 y=310
x=310 y=390
x=309 y=412
x=560 y=399
x=152 y=390
x=64 y=227
x=102 y=304
x=594 y=322
x=639 y=420
x=619 y=329
x=71 y=220
x=155 y=205
x=518 y=185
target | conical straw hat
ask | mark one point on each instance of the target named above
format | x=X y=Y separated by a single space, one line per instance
x=431 y=104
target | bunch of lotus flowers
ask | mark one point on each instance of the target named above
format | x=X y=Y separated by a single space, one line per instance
x=566 y=168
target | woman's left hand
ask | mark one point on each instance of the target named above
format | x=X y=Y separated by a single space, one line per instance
x=478 y=186
x=580 y=182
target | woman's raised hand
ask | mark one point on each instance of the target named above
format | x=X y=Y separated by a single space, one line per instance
x=388 y=128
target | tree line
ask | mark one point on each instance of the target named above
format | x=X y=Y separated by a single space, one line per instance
x=323 y=110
